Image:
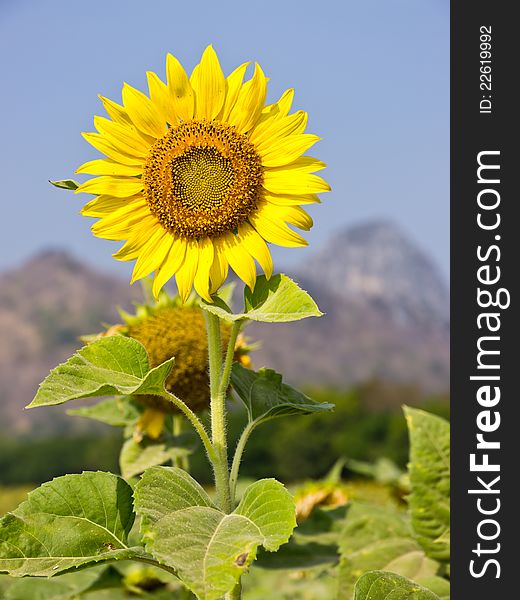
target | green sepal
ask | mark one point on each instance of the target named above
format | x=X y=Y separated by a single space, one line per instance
x=65 y=184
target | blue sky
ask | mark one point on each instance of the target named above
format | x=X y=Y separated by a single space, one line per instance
x=373 y=75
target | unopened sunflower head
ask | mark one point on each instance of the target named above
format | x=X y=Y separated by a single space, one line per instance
x=169 y=329
x=200 y=174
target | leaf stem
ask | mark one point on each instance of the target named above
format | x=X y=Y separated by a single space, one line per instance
x=239 y=451
x=230 y=353
x=218 y=413
x=193 y=419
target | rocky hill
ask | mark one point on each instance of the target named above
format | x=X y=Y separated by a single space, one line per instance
x=387 y=316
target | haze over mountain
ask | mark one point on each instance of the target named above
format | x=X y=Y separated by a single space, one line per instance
x=387 y=316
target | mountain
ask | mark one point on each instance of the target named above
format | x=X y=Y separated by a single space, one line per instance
x=377 y=265
x=386 y=317
x=44 y=306
x=387 y=314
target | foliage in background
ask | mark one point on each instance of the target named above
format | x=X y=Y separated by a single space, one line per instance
x=352 y=430
x=358 y=541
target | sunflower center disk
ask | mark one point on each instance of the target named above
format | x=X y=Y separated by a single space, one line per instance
x=202 y=179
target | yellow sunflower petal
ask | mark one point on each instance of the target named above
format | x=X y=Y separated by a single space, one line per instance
x=143 y=112
x=286 y=181
x=120 y=187
x=161 y=97
x=136 y=240
x=219 y=269
x=128 y=211
x=287 y=150
x=277 y=110
x=105 y=166
x=274 y=129
x=250 y=102
x=209 y=85
x=256 y=246
x=180 y=89
x=115 y=111
x=103 y=145
x=290 y=200
x=276 y=232
x=123 y=137
x=238 y=258
x=105 y=205
x=169 y=266
x=202 y=277
x=292 y=214
x=186 y=274
x=306 y=164
x=233 y=85
x=282 y=107
x=152 y=254
x=285 y=102
x=119 y=225
x=151 y=422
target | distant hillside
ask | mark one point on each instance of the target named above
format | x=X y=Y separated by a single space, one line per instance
x=387 y=314
x=44 y=306
x=386 y=317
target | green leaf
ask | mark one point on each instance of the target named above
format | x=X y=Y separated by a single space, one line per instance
x=275 y=300
x=164 y=490
x=71 y=521
x=379 y=585
x=367 y=523
x=209 y=549
x=115 y=365
x=136 y=457
x=378 y=538
x=63 y=587
x=317 y=583
x=437 y=585
x=118 y=412
x=259 y=502
x=266 y=397
x=313 y=544
x=429 y=470
x=66 y=184
x=383 y=470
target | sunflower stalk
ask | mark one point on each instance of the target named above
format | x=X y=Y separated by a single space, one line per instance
x=218 y=413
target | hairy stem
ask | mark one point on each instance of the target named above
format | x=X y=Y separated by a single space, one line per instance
x=239 y=451
x=194 y=420
x=218 y=413
x=230 y=353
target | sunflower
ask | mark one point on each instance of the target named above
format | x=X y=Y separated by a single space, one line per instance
x=169 y=329
x=200 y=175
